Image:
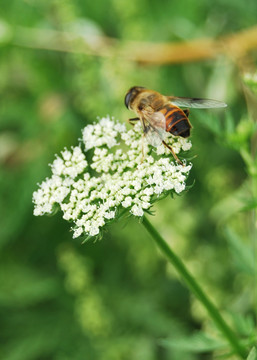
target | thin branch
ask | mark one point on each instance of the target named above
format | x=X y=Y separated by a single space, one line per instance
x=235 y=46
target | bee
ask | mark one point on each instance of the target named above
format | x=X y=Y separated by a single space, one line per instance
x=160 y=114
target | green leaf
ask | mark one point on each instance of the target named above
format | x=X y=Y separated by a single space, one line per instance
x=243 y=324
x=252 y=354
x=25 y=287
x=242 y=134
x=6 y=32
x=229 y=123
x=241 y=252
x=188 y=187
x=211 y=122
x=236 y=202
x=250 y=204
x=198 y=342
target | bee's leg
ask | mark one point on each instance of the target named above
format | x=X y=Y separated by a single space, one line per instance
x=186 y=112
x=172 y=151
x=133 y=120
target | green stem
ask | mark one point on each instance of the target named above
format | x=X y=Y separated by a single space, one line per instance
x=196 y=289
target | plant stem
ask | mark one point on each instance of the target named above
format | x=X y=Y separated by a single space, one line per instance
x=196 y=289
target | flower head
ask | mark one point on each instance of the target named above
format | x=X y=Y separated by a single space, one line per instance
x=125 y=175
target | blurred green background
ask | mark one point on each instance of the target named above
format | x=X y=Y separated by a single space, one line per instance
x=117 y=298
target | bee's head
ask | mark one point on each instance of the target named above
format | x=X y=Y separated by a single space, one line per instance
x=131 y=95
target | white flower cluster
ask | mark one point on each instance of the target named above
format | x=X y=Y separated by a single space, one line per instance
x=125 y=174
x=103 y=133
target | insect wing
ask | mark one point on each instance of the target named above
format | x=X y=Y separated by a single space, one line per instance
x=196 y=103
x=155 y=128
x=152 y=136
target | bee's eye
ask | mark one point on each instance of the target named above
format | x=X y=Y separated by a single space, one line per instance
x=127 y=99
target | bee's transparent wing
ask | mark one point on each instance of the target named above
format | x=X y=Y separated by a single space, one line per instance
x=152 y=136
x=154 y=128
x=197 y=103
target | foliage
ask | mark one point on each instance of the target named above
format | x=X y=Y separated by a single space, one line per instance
x=117 y=298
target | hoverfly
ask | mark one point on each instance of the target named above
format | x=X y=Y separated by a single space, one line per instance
x=160 y=114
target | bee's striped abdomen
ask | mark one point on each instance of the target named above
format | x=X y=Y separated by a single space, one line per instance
x=177 y=122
